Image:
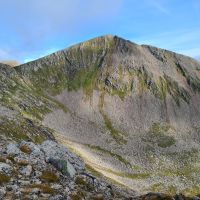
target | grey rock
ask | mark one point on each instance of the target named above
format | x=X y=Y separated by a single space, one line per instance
x=53 y=150
x=57 y=197
x=63 y=166
x=2 y=192
x=5 y=168
x=26 y=171
x=12 y=149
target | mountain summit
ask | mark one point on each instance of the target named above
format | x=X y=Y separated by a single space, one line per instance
x=131 y=111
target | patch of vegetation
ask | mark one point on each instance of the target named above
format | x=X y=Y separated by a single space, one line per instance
x=191 y=192
x=4 y=178
x=83 y=183
x=78 y=195
x=84 y=78
x=116 y=134
x=23 y=129
x=158 y=128
x=157 y=135
x=23 y=162
x=80 y=180
x=128 y=175
x=172 y=190
x=11 y=158
x=49 y=176
x=25 y=149
x=93 y=171
x=157 y=187
x=2 y=159
x=104 y=151
x=45 y=188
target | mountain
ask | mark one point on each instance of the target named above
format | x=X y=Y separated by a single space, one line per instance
x=132 y=112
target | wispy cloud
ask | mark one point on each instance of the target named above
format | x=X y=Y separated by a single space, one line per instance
x=180 y=41
x=159 y=5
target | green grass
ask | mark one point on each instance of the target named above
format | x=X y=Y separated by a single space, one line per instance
x=158 y=135
x=49 y=176
x=134 y=176
x=104 y=151
x=23 y=129
x=4 y=178
x=116 y=134
x=45 y=188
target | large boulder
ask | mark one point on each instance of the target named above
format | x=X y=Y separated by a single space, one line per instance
x=59 y=152
x=63 y=166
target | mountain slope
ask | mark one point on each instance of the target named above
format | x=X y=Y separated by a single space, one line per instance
x=134 y=111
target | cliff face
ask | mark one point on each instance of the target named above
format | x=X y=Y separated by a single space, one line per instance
x=131 y=111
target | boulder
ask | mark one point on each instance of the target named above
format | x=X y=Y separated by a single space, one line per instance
x=63 y=166
x=57 y=151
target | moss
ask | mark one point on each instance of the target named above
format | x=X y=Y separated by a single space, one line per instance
x=157 y=187
x=2 y=159
x=193 y=191
x=158 y=128
x=78 y=195
x=23 y=129
x=143 y=175
x=84 y=184
x=4 y=178
x=104 y=151
x=43 y=187
x=158 y=135
x=93 y=171
x=22 y=163
x=49 y=176
x=25 y=149
x=117 y=135
x=11 y=158
x=172 y=190
x=80 y=181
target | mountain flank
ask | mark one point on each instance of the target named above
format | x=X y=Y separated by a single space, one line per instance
x=131 y=111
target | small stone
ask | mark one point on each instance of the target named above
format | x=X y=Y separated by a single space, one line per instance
x=26 y=171
x=12 y=149
x=5 y=168
x=56 y=186
x=24 y=182
x=2 y=192
x=57 y=197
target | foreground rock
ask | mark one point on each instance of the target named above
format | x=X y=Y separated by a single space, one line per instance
x=49 y=171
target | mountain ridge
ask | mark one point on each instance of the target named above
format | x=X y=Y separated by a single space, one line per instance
x=132 y=111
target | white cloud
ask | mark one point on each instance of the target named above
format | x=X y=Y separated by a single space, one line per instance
x=159 y=5
x=183 y=42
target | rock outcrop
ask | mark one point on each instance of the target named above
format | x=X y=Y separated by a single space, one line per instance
x=30 y=171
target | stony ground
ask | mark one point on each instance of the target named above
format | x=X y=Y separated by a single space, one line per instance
x=49 y=171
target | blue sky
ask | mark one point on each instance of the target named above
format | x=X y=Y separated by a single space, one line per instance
x=30 y=29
